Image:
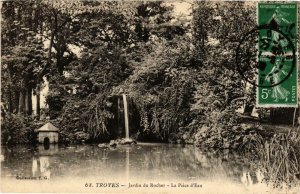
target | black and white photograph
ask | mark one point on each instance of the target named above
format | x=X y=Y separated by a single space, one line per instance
x=147 y=96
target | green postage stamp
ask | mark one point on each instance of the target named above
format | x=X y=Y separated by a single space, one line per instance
x=277 y=55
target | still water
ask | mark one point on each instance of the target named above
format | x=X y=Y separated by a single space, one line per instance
x=142 y=167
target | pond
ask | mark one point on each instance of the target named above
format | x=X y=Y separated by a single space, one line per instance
x=142 y=167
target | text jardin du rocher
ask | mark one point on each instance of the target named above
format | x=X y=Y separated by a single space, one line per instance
x=150 y=185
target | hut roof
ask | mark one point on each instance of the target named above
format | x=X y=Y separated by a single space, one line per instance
x=48 y=127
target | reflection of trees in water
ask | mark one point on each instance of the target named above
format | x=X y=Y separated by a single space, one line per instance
x=146 y=161
x=41 y=167
x=82 y=161
x=163 y=161
x=42 y=161
x=251 y=177
x=18 y=160
x=192 y=162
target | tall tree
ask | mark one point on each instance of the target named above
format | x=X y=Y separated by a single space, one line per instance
x=22 y=54
x=218 y=35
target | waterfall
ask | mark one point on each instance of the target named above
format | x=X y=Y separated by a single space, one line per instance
x=126 y=116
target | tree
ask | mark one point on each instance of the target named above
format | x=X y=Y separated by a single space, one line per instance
x=219 y=39
x=111 y=49
x=221 y=89
x=22 y=55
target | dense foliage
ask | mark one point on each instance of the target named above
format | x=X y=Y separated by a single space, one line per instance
x=179 y=69
x=221 y=86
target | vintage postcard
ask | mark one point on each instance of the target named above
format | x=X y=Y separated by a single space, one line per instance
x=174 y=96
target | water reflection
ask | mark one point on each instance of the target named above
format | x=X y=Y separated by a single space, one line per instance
x=253 y=180
x=127 y=165
x=141 y=161
x=41 y=167
x=41 y=161
x=151 y=162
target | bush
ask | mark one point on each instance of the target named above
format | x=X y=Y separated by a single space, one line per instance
x=223 y=130
x=85 y=119
x=17 y=129
x=164 y=114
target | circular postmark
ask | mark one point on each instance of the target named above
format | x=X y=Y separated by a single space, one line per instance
x=269 y=63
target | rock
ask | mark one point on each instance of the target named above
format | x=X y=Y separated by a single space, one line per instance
x=127 y=141
x=123 y=141
x=102 y=145
x=112 y=143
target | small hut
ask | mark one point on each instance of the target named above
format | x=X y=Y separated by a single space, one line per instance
x=48 y=134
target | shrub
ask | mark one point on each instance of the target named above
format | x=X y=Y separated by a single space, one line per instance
x=16 y=129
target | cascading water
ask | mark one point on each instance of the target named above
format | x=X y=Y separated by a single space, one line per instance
x=126 y=116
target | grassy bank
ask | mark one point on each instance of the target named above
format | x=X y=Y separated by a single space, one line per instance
x=279 y=158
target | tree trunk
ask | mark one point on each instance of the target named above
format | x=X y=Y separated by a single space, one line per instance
x=16 y=101
x=10 y=102
x=29 y=101
x=26 y=102
x=21 y=103
x=24 y=93
x=38 y=105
